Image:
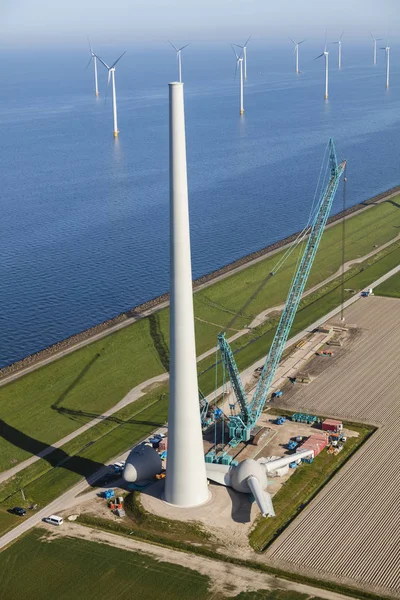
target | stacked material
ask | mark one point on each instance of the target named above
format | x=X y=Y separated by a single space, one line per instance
x=316 y=442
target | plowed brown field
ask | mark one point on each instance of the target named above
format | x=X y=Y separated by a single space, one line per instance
x=351 y=531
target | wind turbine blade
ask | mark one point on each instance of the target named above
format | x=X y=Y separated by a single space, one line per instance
x=174 y=47
x=102 y=61
x=238 y=46
x=237 y=62
x=247 y=41
x=118 y=59
x=185 y=46
x=326 y=35
x=87 y=66
x=302 y=41
x=234 y=52
x=319 y=56
x=90 y=46
x=292 y=40
x=370 y=33
x=341 y=35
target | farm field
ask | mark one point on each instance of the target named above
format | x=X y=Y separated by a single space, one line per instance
x=390 y=288
x=67 y=393
x=350 y=532
x=301 y=487
x=77 y=568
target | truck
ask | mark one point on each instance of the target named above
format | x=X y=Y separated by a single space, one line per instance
x=367 y=292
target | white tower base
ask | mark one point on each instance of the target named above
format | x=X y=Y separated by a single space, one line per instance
x=186 y=479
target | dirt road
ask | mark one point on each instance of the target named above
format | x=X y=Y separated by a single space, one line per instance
x=225 y=579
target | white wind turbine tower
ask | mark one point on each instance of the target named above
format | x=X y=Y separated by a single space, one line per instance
x=296 y=51
x=239 y=63
x=375 y=40
x=339 y=43
x=387 y=52
x=94 y=59
x=179 y=57
x=111 y=75
x=244 y=48
x=326 y=55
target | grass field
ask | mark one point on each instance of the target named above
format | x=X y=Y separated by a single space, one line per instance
x=302 y=486
x=390 y=287
x=56 y=399
x=69 y=568
x=42 y=483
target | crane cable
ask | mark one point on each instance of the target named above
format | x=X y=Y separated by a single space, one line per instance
x=289 y=251
x=343 y=238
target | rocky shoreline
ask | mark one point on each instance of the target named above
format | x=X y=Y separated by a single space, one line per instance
x=138 y=311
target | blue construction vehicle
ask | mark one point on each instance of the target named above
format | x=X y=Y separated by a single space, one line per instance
x=292 y=445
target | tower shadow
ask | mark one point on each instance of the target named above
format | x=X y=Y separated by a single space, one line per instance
x=158 y=338
x=75 y=382
x=56 y=457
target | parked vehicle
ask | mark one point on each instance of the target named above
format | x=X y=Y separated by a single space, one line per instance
x=54 y=520
x=17 y=510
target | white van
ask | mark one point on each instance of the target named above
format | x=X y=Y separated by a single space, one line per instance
x=54 y=520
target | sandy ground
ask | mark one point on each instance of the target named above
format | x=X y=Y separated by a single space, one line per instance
x=225 y=579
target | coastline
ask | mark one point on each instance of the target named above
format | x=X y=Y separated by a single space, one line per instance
x=87 y=336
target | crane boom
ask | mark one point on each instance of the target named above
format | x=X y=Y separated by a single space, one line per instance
x=241 y=425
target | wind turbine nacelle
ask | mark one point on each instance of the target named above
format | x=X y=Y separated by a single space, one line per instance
x=142 y=464
x=241 y=473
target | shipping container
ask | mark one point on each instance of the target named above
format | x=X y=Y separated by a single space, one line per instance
x=332 y=425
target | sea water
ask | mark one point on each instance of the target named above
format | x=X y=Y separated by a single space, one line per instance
x=84 y=217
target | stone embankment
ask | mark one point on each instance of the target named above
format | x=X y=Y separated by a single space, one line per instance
x=143 y=309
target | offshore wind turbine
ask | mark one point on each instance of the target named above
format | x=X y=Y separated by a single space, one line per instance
x=111 y=75
x=339 y=43
x=179 y=57
x=94 y=59
x=326 y=55
x=296 y=51
x=387 y=52
x=239 y=63
x=244 y=48
x=375 y=40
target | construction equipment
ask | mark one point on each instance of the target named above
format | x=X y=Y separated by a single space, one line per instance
x=240 y=425
x=366 y=293
x=291 y=445
x=206 y=420
x=107 y=494
x=304 y=418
